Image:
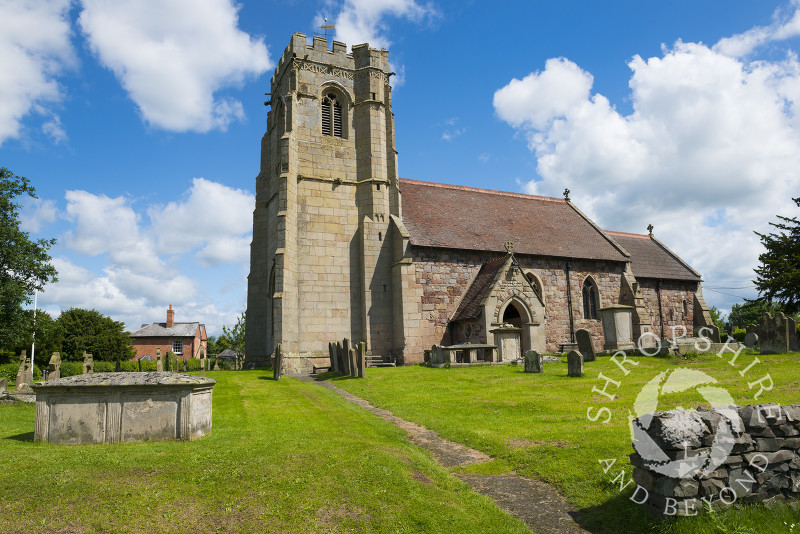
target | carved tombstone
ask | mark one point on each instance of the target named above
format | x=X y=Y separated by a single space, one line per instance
x=574 y=363
x=88 y=363
x=21 y=371
x=343 y=358
x=773 y=333
x=585 y=345
x=750 y=340
x=277 y=363
x=3 y=386
x=533 y=362
x=54 y=366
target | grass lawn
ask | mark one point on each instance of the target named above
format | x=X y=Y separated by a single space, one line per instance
x=537 y=425
x=283 y=457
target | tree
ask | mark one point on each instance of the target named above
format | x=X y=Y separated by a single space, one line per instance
x=82 y=330
x=46 y=336
x=236 y=335
x=778 y=275
x=24 y=264
x=751 y=311
x=717 y=317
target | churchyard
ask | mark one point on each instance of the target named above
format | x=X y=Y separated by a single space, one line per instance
x=292 y=456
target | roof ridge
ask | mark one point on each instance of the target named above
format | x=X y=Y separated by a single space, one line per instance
x=614 y=232
x=481 y=190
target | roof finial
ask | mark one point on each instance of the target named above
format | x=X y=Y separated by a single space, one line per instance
x=566 y=195
x=509 y=247
x=650 y=229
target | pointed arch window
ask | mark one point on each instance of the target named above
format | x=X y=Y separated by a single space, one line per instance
x=589 y=299
x=331 y=116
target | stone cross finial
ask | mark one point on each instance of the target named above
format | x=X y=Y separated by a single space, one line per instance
x=566 y=195
x=650 y=229
x=509 y=247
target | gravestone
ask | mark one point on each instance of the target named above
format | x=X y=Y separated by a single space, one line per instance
x=351 y=355
x=276 y=364
x=54 y=366
x=167 y=363
x=533 y=362
x=341 y=348
x=333 y=358
x=574 y=363
x=362 y=349
x=436 y=355
x=186 y=365
x=22 y=371
x=159 y=363
x=585 y=346
x=118 y=367
x=139 y=361
x=751 y=340
x=3 y=386
x=88 y=363
x=773 y=333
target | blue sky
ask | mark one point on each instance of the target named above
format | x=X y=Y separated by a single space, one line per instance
x=139 y=123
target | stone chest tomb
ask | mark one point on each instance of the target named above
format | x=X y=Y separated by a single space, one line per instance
x=115 y=407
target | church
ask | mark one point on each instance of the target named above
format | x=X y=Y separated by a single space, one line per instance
x=344 y=248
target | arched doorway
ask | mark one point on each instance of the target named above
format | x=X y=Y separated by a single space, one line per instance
x=512 y=337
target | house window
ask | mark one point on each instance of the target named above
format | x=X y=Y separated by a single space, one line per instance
x=177 y=347
x=589 y=299
x=331 y=116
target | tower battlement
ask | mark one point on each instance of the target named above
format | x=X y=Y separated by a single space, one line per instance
x=318 y=52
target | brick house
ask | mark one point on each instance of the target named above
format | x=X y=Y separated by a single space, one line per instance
x=344 y=247
x=186 y=340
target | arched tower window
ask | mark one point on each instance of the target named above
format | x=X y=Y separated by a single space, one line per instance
x=590 y=299
x=331 y=116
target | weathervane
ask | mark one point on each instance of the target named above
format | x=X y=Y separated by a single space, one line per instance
x=325 y=27
x=566 y=195
x=650 y=229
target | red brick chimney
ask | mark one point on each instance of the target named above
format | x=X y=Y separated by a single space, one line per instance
x=170 y=317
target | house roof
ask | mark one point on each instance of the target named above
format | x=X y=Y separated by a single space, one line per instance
x=471 y=305
x=228 y=353
x=161 y=330
x=451 y=216
x=651 y=259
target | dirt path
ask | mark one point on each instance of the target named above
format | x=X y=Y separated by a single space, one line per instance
x=536 y=503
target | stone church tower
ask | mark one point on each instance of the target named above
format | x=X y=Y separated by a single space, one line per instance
x=321 y=258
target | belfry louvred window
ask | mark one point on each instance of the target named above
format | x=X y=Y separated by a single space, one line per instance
x=331 y=116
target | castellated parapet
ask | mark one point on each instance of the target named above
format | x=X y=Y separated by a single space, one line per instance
x=321 y=252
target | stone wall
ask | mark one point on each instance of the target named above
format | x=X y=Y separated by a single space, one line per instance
x=715 y=458
x=677 y=305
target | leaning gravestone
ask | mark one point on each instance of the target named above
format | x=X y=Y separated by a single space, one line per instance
x=750 y=340
x=574 y=363
x=88 y=363
x=54 y=366
x=533 y=362
x=585 y=346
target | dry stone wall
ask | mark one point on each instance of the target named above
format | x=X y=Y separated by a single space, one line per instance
x=716 y=458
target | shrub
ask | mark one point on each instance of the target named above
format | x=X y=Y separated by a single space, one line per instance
x=194 y=364
x=71 y=368
x=105 y=367
x=739 y=334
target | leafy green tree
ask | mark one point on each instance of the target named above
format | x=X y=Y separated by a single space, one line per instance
x=221 y=343
x=236 y=334
x=82 y=330
x=24 y=264
x=717 y=317
x=750 y=312
x=46 y=336
x=778 y=275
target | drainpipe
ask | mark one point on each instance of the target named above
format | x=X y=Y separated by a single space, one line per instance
x=660 y=311
x=569 y=307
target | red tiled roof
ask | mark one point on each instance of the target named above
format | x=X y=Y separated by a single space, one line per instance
x=450 y=216
x=651 y=259
x=470 y=306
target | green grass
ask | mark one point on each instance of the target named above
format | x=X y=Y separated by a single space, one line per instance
x=537 y=426
x=283 y=457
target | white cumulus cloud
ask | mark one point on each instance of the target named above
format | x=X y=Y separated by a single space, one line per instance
x=785 y=25
x=708 y=154
x=364 y=21
x=35 y=48
x=172 y=56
